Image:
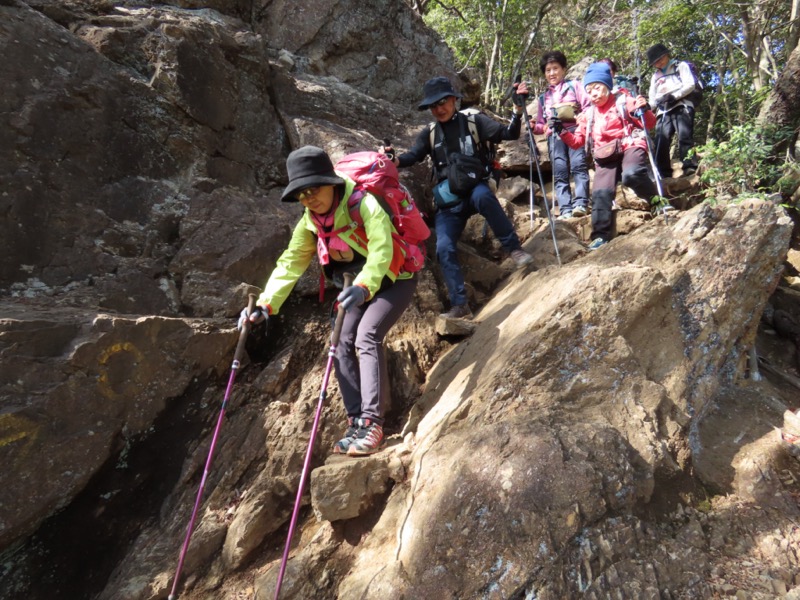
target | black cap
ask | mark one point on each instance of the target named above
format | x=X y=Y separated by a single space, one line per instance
x=655 y=52
x=435 y=89
x=308 y=166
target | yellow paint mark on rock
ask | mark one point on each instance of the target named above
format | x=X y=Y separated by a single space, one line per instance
x=14 y=428
x=105 y=379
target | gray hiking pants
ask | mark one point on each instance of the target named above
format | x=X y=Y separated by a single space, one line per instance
x=360 y=360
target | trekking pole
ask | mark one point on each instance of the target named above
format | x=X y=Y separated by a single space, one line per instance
x=656 y=173
x=323 y=394
x=533 y=156
x=237 y=355
x=531 y=194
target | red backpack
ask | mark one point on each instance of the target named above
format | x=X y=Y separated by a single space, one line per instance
x=376 y=174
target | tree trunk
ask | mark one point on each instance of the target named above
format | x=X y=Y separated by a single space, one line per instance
x=794 y=29
x=781 y=106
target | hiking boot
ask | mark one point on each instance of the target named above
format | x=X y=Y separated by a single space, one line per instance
x=597 y=243
x=567 y=214
x=580 y=211
x=689 y=168
x=350 y=433
x=520 y=257
x=460 y=311
x=368 y=440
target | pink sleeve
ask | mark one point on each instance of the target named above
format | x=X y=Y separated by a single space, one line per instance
x=575 y=139
x=538 y=126
x=581 y=96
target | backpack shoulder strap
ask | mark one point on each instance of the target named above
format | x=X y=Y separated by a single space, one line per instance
x=621 y=103
x=589 y=124
x=622 y=107
x=354 y=205
x=472 y=125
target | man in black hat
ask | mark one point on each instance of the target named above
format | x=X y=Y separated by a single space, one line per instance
x=447 y=141
x=671 y=92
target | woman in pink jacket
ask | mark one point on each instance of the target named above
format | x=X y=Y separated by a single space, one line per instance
x=612 y=130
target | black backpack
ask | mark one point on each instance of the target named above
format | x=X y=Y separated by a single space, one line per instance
x=696 y=96
x=486 y=150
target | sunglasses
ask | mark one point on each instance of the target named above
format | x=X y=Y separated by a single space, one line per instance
x=439 y=103
x=307 y=193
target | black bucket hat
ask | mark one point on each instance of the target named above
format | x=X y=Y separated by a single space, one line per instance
x=435 y=89
x=308 y=166
x=655 y=52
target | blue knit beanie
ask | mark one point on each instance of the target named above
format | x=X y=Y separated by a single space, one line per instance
x=598 y=73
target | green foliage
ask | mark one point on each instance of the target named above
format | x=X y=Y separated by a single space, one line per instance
x=658 y=203
x=739 y=48
x=743 y=164
x=485 y=32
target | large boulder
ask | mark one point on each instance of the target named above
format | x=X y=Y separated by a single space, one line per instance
x=560 y=409
x=77 y=388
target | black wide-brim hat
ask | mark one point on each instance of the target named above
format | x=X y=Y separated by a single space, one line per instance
x=655 y=52
x=435 y=89
x=307 y=167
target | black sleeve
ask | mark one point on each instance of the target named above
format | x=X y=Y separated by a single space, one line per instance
x=491 y=130
x=419 y=152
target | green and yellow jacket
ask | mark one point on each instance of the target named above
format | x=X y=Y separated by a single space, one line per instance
x=373 y=240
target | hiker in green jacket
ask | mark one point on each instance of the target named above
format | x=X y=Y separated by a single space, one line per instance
x=380 y=293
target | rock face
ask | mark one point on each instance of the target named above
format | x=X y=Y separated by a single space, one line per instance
x=141 y=162
x=559 y=410
x=129 y=120
x=142 y=154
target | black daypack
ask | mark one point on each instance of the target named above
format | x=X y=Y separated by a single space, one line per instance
x=696 y=96
x=484 y=150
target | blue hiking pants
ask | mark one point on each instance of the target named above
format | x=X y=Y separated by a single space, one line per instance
x=565 y=160
x=449 y=225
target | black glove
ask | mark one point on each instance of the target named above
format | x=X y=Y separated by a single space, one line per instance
x=387 y=148
x=259 y=314
x=555 y=125
x=352 y=297
x=518 y=99
x=667 y=100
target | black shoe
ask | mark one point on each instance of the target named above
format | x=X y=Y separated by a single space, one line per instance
x=460 y=311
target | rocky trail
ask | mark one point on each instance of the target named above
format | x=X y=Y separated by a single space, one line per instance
x=595 y=432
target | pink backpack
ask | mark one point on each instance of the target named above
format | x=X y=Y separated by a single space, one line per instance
x=376 y=174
